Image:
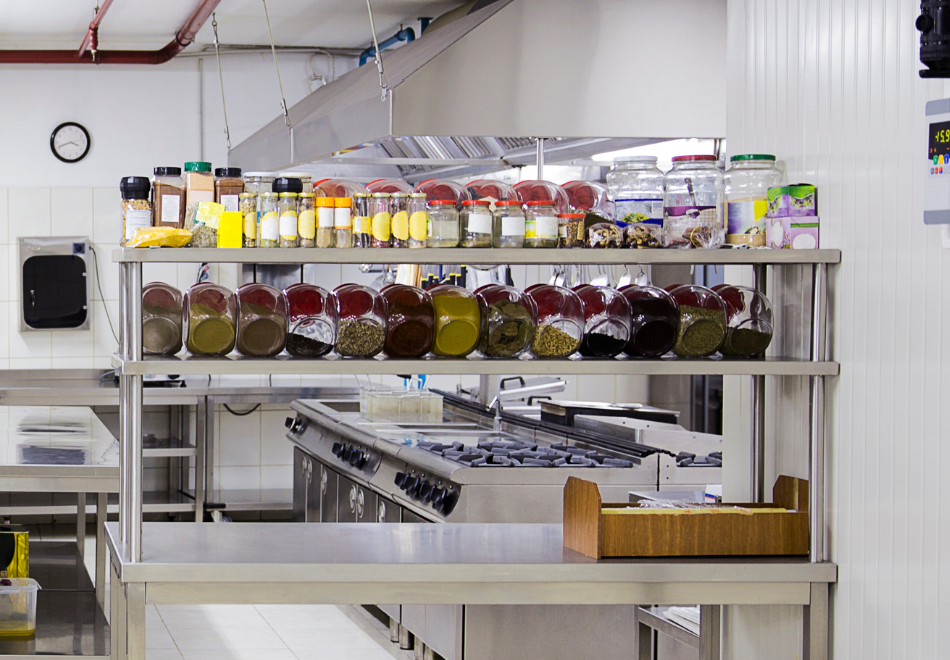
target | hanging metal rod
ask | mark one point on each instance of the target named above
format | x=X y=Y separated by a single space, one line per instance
x=243 y=49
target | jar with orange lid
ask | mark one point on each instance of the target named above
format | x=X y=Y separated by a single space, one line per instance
x=540 y=224
x=509 y=224
x=476 y=222
x=443 y=224
x=326 y=206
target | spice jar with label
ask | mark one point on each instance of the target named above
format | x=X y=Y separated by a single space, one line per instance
x=343 y=222
x=508 y=228
x=443 y=224
x=540 y=224
x=749 y=315
x=168 y=197
x=702 y=323
x=382 y=220
x=325 y=221
x=228 y=186
x=287 y=210
x=199 y=187
x=161 y=319
x=400 y=220
x=210 y=319
x=418 y=220
x=746 y=194
x=363 y=221
x=692 y=204
x=270 y=221
x=509 y=318
x=136 y=209
x=262 y=320
x=570 y=230
x=560 y=321
x=312 y=317
x=457 y=321
x=606 y=321
x=362 y=311
x=476 y=220
x=410 y=322
x=249 y=212
x=306 y=219
x=654 y=316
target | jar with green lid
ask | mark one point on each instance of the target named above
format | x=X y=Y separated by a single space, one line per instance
x=540 y=224
x=745 y=188
x=418 y=220
x=400 y=220
x=457 y=321
x=210 y=319
x=248 y=206
x=443 y=224
x=199 y=187
x=270 y=224
x=287 y=210
x=381 y=220
x=262 y=320
x=508 y=224
x=363 y=220
x=476 y=223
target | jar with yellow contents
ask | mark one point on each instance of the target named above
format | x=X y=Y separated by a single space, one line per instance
x=306 y=219
x=382 y=220
x=287 y=209
x=270 y=224
x=325 y=206
x=399 y=202
x=248 y=205
x=418 y=220
x=362 y=221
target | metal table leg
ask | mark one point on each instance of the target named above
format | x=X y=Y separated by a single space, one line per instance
x=201 y=455
x=135 y=620
x=816 y=622
x=102 y=514
x=710 y=631
x=81 y=523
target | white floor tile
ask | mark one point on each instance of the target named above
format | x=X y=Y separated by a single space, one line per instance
x=158 y=638
x=291 y=617
x=351 y=654
x=345 y=638
x=211 y=638
x=162 y=654
x=241 y=654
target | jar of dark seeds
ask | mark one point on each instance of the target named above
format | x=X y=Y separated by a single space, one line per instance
x=654 y=317
x=606 y=321
x=363 y=317
x=509 y=319
x=161 y=319
x=411 y=321
x=312 y=320
x=702 y=323
x=749 y=315
x=560 y=321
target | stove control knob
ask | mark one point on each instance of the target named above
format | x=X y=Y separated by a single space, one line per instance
x=425 y=491
x=294 y=425
x=357 y=458
x=448 y=503
x=437 y=496
x=363 y=459
x=347 y=453
x=337 y=449
x=412 y=484
x=400 y=479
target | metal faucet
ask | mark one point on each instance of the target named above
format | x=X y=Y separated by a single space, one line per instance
x=496 y=404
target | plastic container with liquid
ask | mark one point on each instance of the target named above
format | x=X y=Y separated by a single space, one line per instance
x=312 y=320
x=18 y=607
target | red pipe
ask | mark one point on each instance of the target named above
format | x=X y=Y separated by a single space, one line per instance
x=91 y=40
x=182 y=39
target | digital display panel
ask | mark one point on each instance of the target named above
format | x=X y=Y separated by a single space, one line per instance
x=939 y=139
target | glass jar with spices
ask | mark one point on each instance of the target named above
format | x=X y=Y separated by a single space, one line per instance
x=702 y=323
x=509 y=319
x=400 y=220
x=654 y=317
x=746 y=192
x=418 y=220
x=560 y=321
x=606 y=321
x=443 y=224
x=325 y=226
x=249 y=211
x=476 y=223
x=570 y=230
x=199 y=187
x=228 y=186
x=161 y=319
x=168 y=197
x=458 y=321
x=692 y=204
x=410 y=322
x=262 y=320
x=382 y=220
x=312 y=317
x=749 y=315
x=136 y=209
x=343 y=222
x=362 y=313
x=540 y=224
x=270 y=220
x=287 y=211
x=363 y=221
x=210 y=319
x=508 y=230
x=306 y=219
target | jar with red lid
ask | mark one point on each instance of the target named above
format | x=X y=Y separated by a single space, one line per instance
x=606 y=321
x=262 y=320
x=410 y=322
x=749 y=315
x=702 y=323
x=362 y=314
x=210 y=319
x=161 y=319
x=312 y=320
x=476 y=221
x=443 y=224
x=540 y=224
x=560 y=321
x=570 y=230
x=654 y=317
x=508 y=228
x=509 y=319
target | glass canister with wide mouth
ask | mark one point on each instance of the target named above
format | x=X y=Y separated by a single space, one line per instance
x=476 y=220
x=509 y=319
x=635 y=186
x=382 y=220
x=399 y=225
x=228 y=186
x=363 y=220
x=210 y=319
x=411 y=321
x=161 y=319
x=591 y=199
x=325 y=221
x=702 y=323
x=458 y=321
x=692 y=204
x=418 y=220
x=443 y=224
x=342 y=222
x=362 y=313
x=306 y=219
x=746 y=191
x=312 y=320
x=249 y=212
x=262 y=320
x=654 y=317
x=540 y=224
x=508 y=230
x=269 y=234
x=168 y=197
x=749 y=315
x=606 y=321
x=287 y=210
x=560 y=321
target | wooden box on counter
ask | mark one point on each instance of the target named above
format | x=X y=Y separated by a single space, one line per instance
x=588 y=529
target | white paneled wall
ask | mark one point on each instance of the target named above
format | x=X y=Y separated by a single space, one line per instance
x=831 y=87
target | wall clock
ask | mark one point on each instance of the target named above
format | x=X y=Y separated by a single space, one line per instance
x=70 y=142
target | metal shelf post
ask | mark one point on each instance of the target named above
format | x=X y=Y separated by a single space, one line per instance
x=760 y=274
x=130 y=466
x=816 y=416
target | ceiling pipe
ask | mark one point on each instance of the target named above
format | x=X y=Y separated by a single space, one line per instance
x=182 y=39
x=91 y=40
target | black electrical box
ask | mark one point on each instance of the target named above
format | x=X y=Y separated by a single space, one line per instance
x=934 y=26
x=54 y=280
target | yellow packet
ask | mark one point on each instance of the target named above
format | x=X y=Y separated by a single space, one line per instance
x=160 y=237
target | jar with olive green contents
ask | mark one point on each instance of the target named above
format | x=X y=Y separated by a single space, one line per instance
x=457 y=321
x=287 y=209
x=476 y=223
x=306 y=219
x=210 y=319
x=270 y=223
x=702 y=323
x=249 y=211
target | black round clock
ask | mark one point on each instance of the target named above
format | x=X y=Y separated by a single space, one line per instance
x=70 y=142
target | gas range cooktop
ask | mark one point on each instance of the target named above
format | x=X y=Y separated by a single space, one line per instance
x=515 y=453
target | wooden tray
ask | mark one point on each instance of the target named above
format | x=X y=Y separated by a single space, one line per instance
x=591 y=530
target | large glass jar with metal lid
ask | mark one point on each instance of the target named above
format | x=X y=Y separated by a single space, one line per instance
x=654 y=317
x=457 y=321
x=635 y=186
x=312 y=320
x=380 y=211
x=306 y=219
x=692 y=203
x=411 y=321
x=262 y=320
x=702 y=323
x=606 y=321
x=540 y=224
x=508 y=228
x=362 y=220
x=399 y=225
x=509 y=319
x=210 y=319
x=161 y=319
x=443 y=224
x=749 y=315
x=363 y=317
x=418 y=220
x=746 y=186
x=560 y=321
x=476 y=220
x=287 y=210
x=269 y=234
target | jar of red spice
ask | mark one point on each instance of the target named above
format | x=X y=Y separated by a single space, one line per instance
x=312 y=320
x=363 y=319
x=560 y=321
x=607 y=321
x=262 y=320
x=411 y=321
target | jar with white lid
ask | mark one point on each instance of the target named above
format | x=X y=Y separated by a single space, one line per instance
x=540 y=224
x=746 y=186
x=509 y=224
x=692 y=203
x=476 y=220
x=635 y=186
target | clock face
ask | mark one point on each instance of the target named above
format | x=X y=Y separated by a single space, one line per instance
x=70 y=142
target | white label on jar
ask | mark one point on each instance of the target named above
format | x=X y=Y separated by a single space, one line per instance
x=136 y=219
x=288 y=224
x=341 y=217
x=325 y=217
x=171 y=210
x=479 y=223
x=512 y=225
x=546 y=226
x=269 y=225
x=562 y=231
x=231 y=203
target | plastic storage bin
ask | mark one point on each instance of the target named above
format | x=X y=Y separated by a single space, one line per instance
x=18 y=607
x=458 y=321
x=654 y=317
x=411 y=321
x=161 y=319
x=312 y=320
x=362 y=313
x=692 y=203
x=262 y=320
x=560 y=321
x=210 y=319
x=702 y=322
x=749 y=315
x=606 y=321
x=509 y=319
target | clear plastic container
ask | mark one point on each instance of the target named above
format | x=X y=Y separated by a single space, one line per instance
x=269 y=228
x=400 y=220
x=262 y=320
x=606 y=321
x=18 y=607
x=411 y=321
x=312 y=320
x=692 y=204
x=560 y=321
x=654 y=317
x=381 y=220
x=168 y=197
x=749 y=315
x=443 y=224
x=343 y=222
x=362 y=220
x=161 y=319
x=210 y=319
x=363 y=317
x=476 y=222
x=508 y=228
x=537 y=190
x=570 y=230
x=287 y=211
x=590 y=197
x=458 y=321
x=745 y=187
x=635 y=186
x=604 y=235
x=509 y=320
x=702 y=322
x=540 y=224
x=418 y=220
x=325 y=221
x=306 y=219
x=248 y=203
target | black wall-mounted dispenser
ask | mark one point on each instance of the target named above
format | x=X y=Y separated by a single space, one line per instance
x=54 y=279
x=934 y=26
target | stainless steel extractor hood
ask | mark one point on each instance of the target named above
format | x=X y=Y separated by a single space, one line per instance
x=633 y=71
